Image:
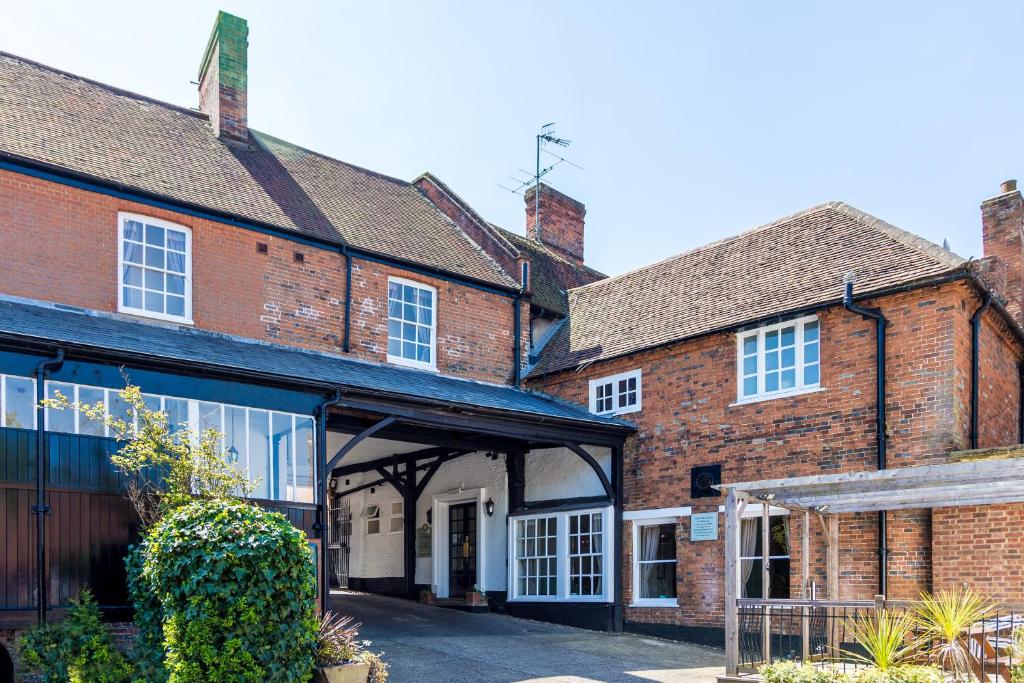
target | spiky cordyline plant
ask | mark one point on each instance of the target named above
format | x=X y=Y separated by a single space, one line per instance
x=884 y=637
x=943 y=620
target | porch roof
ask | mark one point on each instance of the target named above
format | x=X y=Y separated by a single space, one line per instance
x=975 y=478
x=119 y=339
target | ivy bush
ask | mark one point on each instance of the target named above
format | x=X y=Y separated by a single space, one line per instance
x=231 y=588
x=78 y=649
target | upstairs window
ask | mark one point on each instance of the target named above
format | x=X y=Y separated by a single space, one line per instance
x=372 y=515
x=397 y=521
x=411 y=323
x=155 y=266
x=778 y=360
x=616 y=394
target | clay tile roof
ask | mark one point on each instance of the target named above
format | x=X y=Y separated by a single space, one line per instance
x=795 y=263
x=551 y=275
x=59 y=119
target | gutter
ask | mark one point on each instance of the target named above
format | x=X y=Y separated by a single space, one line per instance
x=57 y=174
x=975 y=364
x=41 y=509
x=517 y=341
x=880 y=324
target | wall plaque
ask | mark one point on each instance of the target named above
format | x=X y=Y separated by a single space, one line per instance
x=423 y=547
x=704 y=526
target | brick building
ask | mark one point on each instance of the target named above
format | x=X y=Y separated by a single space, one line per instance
x=358 y=339
x=740 y=361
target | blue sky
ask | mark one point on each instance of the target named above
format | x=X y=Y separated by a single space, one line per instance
x=693 y=120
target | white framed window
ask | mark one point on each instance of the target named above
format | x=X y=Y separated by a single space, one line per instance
x=372 y=516
x=561 y=556
x=751 y=560
x=17 y=402
x=412 y=323
x=276 y=449
x=154 y=259
x=654 y=562
x=397 y=519
x=778 y=360
x=616 y=394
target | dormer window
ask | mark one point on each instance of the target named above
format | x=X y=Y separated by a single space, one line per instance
x=155 y=267
x=411 y=323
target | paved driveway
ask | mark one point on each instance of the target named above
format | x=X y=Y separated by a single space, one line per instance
x=425 y=644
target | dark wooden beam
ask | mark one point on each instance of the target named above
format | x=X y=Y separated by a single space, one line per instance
x=515 y=469
x=561 y=504
x=618 y=465
x=409 y=497
x=438 y=436
x=371 y=465
x=357 y=439
x=396 y=481
x=594 y=465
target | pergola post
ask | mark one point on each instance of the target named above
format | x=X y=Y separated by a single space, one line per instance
x=732 y=581
x=766 y=585
x=805 y=577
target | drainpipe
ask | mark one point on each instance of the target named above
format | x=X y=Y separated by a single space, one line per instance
x=348 y=297
x=1020 y=401
x=975 y=369
x=517 y=354
x=41 y=509
x=880 y=324
x=321 y=509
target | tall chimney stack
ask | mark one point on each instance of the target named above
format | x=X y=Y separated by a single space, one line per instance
x=1002 y=229
x=560 y=223
x=223 y=78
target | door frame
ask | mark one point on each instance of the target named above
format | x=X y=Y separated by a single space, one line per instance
x=439 y=537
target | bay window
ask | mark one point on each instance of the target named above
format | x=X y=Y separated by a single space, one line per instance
x=561 y=556
x=778 y=360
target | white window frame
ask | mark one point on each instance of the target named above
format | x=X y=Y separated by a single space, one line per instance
x=121 y=307
x=617 y=408
x=410 y=362
x=760 y=332
x=372 y=517
x=396 y=515
x=3 y=401
x=562 y=557
x=773 y=513
x=652 y=602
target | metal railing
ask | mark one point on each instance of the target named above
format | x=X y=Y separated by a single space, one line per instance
x=818 y=632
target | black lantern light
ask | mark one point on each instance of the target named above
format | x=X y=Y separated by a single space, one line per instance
x=489 y=506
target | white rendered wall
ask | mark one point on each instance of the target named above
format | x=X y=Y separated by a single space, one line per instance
x=559 y=473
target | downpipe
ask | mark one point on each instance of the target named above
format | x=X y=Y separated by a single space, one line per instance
x=975 y=364
x=41 y=509
x=880 y=324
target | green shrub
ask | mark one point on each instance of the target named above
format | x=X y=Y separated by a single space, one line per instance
x=906 y=673
x=235 y=590
x=77 y=649
x=794 y=672
x=148 y=654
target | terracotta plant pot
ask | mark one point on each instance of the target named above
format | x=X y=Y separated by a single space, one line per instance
x=476 y=598
x=354 y=672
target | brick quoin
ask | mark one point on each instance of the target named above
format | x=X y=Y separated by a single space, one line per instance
x=59 y=244
x=689 y=418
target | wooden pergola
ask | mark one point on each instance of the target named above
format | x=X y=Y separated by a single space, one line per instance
x=981 y=477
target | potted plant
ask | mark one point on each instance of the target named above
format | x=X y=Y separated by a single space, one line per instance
x=476 y=596
x=340 y=658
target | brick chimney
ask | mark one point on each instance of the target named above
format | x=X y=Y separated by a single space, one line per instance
x=1002 y=229
x=223 y=78
x=560 y=227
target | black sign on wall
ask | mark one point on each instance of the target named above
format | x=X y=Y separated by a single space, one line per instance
x=702 y=480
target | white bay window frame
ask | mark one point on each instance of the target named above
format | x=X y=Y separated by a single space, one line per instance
x=563 y=559
x=801 y=386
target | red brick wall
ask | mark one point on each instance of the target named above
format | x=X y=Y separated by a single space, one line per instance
x=688 y=418
x=59 y=244
x=982 y=546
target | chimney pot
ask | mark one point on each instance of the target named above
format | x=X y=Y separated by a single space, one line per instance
x=1008 y=186
x=223 y=78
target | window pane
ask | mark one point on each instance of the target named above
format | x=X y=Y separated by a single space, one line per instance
x=394 y=347
x=750 y=386
x=177 y=414
x=91 y=397
x=132 y=276
x=235 y=450
x=132 y=252
x=788 y=336
x=133 y=230
x=771 y=340
x=771 y=361
x=176 y=305
x=154 y=302
x=176 y=240
x=154 y=235
x=131 y=297
x=19 y=403
x=60 y=420
x=154 y=280
x=281 y=457
x=788 y=357
x=209 y=417
x=811 y=353
x=811 y=331
x=788 y=379
x=811 y=376
x=175 y=284
x=771 y=382
x=259 y=452
x=749 y=365
x=117 y=408
x=304 y=467
x=154 y=257
x=750 y=345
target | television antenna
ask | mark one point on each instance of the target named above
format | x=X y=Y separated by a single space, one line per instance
x=545 y=138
